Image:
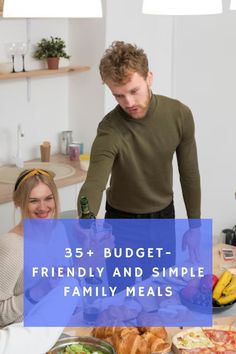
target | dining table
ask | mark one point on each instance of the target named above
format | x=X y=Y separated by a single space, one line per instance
x=227 y=317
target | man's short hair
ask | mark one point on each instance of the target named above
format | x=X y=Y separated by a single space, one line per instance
x=122 y=59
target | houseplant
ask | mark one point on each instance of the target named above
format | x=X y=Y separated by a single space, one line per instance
x=51 y=50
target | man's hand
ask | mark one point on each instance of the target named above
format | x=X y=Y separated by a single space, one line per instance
x=191 y=240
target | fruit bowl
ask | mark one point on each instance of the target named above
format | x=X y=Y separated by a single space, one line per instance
x=217 y=308
x=201 y=303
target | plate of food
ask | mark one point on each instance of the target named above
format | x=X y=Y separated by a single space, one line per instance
x=206 y=340
x=82 y=345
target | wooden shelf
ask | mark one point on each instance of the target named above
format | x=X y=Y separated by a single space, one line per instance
x=45 y=72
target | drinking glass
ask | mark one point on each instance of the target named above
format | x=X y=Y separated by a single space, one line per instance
x=11 y=50
x=101 y=230
x=92 y=304
x=22 y=49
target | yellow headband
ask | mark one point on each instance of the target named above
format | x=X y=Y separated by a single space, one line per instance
x=31 y=173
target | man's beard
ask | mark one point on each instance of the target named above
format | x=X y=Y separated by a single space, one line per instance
x=141 y=109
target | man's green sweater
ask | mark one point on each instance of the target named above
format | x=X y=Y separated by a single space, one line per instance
x=138 y=153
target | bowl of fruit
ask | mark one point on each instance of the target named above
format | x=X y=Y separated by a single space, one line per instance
x=224 y=292
x=210 y=293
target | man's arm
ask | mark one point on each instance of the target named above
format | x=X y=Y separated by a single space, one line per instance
x=103 y=154
x=190 y=183
x=188 y=167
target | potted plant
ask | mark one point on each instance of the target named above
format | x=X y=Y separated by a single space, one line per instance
x=51 y=50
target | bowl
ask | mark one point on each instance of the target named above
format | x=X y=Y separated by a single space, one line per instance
x=84 y=161
x=89 y=342
x=204 y=307
x=5 y=68
x=217 y=308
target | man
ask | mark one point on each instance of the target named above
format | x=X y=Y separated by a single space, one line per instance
x=136 y=142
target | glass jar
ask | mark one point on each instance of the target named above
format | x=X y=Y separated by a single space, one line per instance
x=74 y=152
x=65 y=141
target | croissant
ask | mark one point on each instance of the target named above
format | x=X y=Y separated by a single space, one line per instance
x=161 y=347
x=130 y=343
x=151 y=339
x=157 y=331
x=105 y=332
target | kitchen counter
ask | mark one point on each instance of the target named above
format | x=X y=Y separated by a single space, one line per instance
x=219 y=264
x=6 y=189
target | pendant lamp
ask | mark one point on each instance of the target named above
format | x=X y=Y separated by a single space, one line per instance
x=182 y=7
x=52 y=8
x=233 y=5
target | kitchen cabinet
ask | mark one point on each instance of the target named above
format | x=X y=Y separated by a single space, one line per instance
x=45 y=72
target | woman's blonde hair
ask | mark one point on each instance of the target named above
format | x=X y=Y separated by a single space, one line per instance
x=122 y=59
x=29 y=179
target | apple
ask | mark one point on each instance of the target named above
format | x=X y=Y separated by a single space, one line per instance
x=214 y=280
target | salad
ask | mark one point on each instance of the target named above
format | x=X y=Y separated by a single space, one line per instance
x=79 y=349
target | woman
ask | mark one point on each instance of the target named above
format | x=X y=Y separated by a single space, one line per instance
x=37 y=340
x=35 y=194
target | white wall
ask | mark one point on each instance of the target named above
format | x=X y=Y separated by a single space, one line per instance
x=204 y=78
x=86 y=95
x=46 y=114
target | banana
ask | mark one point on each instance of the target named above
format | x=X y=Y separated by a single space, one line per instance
x=224 y=300
x=221 y=284
x=230 y=289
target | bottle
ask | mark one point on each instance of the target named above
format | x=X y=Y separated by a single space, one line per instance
x=86 y=215
x=85 y=211
x=20 y=136
x=66 y=140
